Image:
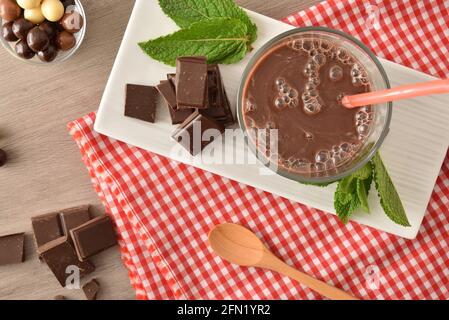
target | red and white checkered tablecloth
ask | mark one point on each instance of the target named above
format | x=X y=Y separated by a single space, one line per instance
x=164 y=209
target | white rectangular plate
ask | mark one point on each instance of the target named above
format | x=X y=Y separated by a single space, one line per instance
x=413 y=152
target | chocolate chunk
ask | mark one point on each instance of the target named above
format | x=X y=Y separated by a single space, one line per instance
x=59 y=254
x=218 y=106
x=72 y=218
x=46 y=228
x=141 y=102
x=93 y=237
x=167 y=91
x=59 y=297
x=11 y=248
x=191 y=82
x=91 y=289
x=190 y=133
x=172 y=78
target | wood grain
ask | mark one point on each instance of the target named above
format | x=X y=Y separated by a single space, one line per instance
x=45 y=171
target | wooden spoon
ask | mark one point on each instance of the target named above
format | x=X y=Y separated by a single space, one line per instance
x=239 y=245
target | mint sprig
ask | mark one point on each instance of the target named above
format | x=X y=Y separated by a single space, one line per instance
x=187 y=12
x=217 y=29
x=352 y=193
x=219 y=39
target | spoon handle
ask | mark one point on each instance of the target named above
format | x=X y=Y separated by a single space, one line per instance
x=273 y=263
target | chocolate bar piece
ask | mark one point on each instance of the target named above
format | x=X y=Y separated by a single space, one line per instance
x=91 y=289
x=93 y=237
x=11 y=249
x=190 y=133
x=218 y=107
x=172 y=78
x=46 y=228
x=191 y=82
x=59 y=254
x=72 y=218
x=167 y=90
x=141 y=102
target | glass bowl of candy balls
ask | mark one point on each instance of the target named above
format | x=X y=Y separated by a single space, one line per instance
x=42 y=31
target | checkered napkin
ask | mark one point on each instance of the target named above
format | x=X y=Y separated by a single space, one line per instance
x=164 y=209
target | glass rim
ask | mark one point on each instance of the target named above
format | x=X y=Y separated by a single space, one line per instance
x=70 y=53
x=366 y=157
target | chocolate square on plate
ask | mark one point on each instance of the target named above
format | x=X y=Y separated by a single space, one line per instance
x=167 y=91
x=141 y=102
x=59 y=254
x=191 y=82
x=93 y=237
x=218 y=106
x=11 y=248
x=190 y=134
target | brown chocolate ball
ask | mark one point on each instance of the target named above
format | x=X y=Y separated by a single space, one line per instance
x=49 y=54
x=21 y=27
x=37 y=39
x=50 y=28
x=7 y=33
x=9 y=10
x=3 y=157
x=23 y=50
x=65 y=41
x=72 y=22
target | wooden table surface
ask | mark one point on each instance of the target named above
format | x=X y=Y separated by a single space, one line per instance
x=44 y=171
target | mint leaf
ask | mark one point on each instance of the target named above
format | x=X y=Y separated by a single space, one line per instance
x=389 y=197
x=187 y=12
x=221 y=40
x=352 y=192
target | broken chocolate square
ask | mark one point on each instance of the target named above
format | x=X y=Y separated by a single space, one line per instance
x=46 y=228
x=59 y=254
x=91 y=289
x=167 y=90
x=93 y=237
x=196 y=132
x=141 y=102
x=191 y=82
x=218 y=107
x=72 y=218
x=11 y=249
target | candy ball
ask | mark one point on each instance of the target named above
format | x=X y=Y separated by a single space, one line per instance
x=7 y=33
x=65 y=41
x=53 y=10
x=29 y=4
x=48 y=55
x=34 y=15
x=37 y=39
x=72 y=22
x=9 y=10
x=23 y=50
x=21 y=27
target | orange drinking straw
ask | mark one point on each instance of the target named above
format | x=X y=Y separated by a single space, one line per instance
x=398 y=93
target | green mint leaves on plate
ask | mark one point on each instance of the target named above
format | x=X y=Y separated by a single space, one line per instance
x=217 y=29
x=352 y=193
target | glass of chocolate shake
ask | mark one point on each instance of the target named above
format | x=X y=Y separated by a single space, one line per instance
x=289 y=105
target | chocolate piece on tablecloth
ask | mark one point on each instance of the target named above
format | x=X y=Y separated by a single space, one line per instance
x=167 y=91
x=46 y=228
x=60 y=254
x=93 y=237
x=91 y=289
x=190 y=133
x=218 y=106
x=141 y=102
x=72 y=218
x=191 y=82
x=11 y=248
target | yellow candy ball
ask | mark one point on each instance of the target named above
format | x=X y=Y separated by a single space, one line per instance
x=29 y=4
x=53 y=10
x=34 y=15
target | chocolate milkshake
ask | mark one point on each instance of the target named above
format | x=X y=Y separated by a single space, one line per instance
x=296 y=87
